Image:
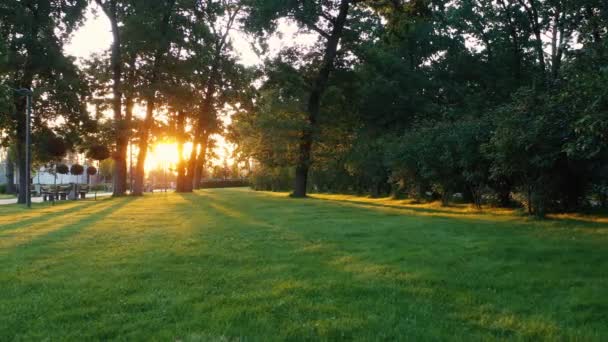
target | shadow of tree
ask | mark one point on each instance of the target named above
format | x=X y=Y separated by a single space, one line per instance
x=369 y=276
x=49 y=213
x=40 y=243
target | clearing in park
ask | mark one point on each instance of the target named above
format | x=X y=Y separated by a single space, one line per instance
x=235 y=264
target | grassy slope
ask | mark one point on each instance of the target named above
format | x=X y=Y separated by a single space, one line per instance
x=234 y=263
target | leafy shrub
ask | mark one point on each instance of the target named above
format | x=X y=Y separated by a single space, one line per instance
x=98 y=152
x=224 y=183
x=77 y=169
x=62 y=169
x=100 y=187
x=272 y=179
x=91 y=170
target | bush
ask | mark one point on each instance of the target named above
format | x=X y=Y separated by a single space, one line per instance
x=77 y=169
x=99 y=187
x=62 y=169
x=2 y=188
x=224 y=183
x=272 y=179
x=91 y=170
x=56 y=147
x=98 y=152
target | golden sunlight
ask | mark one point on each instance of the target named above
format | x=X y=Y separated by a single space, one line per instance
x=163 y=155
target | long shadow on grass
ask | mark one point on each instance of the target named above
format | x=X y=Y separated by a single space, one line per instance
x=489 y=271
x=41 y=244
x=46 y=216
x=569 y=222
x=364 y=277
x=477 y=215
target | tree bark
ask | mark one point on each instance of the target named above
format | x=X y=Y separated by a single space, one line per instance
x=138 y=187
x=194 y=171
x=516 y=47
x=10 y=174
x=20 y=146
x=201 y=132
x=119 y=178
x=314 y=101
x=201 y=161
x=532 y=13
x=181 y=167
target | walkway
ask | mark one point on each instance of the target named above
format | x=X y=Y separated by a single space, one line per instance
x=39 y=199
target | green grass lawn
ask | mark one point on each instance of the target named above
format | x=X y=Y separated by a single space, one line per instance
x=234 y=264
x=5 y=196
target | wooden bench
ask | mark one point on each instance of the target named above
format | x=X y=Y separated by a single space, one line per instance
x=83 y=190
x=63 y=191
x=48 y=193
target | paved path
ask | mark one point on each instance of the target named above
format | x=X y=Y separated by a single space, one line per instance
x=39 y=199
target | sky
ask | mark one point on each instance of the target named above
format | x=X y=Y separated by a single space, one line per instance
x=95 y=37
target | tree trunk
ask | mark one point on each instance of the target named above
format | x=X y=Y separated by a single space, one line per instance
x=10 y=175
x=138 y=186
x=119 y=178
x=20 y=148
x=529 y=199
x=201 y=161
x=192 y=162
x=531 y=10
x=181 y=163
x=202 y=134
x=314 y=101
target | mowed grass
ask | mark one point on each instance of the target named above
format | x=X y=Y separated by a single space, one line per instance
x=233 y=264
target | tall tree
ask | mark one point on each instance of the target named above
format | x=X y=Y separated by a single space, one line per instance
x=34 y=33
x=159 y=45
x=116 y=11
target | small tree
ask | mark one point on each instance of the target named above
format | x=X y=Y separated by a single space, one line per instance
x=77 y=170
x=62 y=169
x=98 y=152
x=91 y=170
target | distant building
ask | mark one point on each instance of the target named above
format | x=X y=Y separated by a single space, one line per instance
x=3 y=162
x=43 y=176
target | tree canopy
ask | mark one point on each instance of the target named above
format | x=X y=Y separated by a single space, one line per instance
x=499 y=102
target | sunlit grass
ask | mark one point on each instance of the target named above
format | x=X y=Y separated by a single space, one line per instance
x=231 y=264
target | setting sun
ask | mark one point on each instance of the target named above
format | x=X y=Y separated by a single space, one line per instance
x=164 y=154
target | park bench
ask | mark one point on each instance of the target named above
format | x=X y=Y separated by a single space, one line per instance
x=62 y=192
x=48 y=193
x=83 y=190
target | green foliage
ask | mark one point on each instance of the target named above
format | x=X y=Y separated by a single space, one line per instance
x=430 y=100
x=265 y=178
x=98 y=152
x=106 y=168
x=77 y=169
x=48 y=147
x=91 y=170
x=62 y=169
